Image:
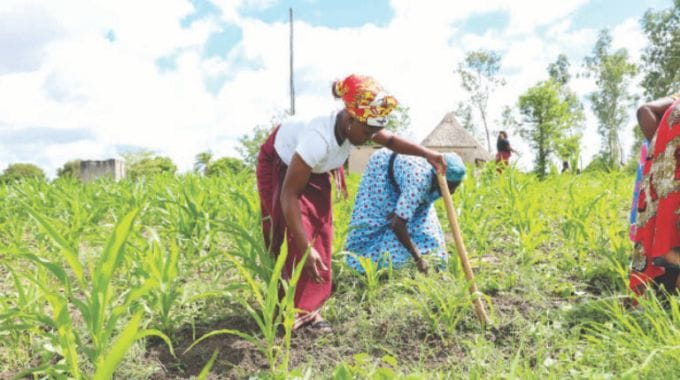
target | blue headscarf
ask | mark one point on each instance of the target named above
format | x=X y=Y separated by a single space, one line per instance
x=455 y=168
x=455 y=172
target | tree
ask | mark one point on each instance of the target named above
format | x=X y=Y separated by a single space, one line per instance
x=638 y=138
x=21 y=172
x=464 y=115
x=225 y=166
x=546 y=118
x=661 y=57
x=508 y=121
x=399 y=120
x=559 y=70
x=478 y=77
x=613 y=74
x=203 y=161
x=71 y=169
x=144 y=163
x=250 y=144
x=568 y=148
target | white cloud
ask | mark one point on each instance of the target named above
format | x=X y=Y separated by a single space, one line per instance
x=70 y=76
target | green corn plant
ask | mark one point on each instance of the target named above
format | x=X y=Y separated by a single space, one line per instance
x=162 y=268
x=364 y=366
x=576 y=226
x=250 y=249
x=641 y=344
x=274 y=297
x=373 y=271
x=472 y=199
x=188 y=214
x=271 y=310
x=203 y=375
x=101 y=311
x=28 y=313
x=443 y=302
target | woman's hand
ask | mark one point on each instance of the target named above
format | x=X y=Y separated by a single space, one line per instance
x=421 y=264
x=437 y=161
x=314 y=265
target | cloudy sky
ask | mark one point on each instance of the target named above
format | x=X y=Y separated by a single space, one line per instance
x=91 y=79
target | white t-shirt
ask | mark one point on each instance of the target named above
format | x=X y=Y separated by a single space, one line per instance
x=314 y=141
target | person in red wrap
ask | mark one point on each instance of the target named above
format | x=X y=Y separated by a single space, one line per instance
x=504 y=151
x=294 y=183
x=656 y=257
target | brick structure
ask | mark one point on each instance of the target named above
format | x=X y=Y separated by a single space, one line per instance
x=91 y=170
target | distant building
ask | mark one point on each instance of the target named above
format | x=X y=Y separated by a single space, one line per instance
x=91 y=170
x=448 y=136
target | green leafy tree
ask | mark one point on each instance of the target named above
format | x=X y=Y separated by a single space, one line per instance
x=546 y=119
x=508 y=121
x=478 y=74
x=559 y=70
x=661 y=57
x=399 y=120
x=203 y=161
x=638 y=138
x=612 y=101
x=71 y=169
x=249 y=145
x=463 y=113
x=224 y=166
x=145 y=163
x=20 y=172
x=568 y=148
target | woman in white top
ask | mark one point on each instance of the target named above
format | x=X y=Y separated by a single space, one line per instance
x=295 y=188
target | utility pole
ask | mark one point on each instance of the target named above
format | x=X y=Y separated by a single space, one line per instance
x=292 y=86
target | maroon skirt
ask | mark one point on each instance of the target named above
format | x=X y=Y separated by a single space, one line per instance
x=317 y=220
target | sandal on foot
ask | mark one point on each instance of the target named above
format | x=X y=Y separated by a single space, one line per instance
x=321 y=326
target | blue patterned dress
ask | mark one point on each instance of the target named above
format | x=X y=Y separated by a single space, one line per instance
x=370 y=232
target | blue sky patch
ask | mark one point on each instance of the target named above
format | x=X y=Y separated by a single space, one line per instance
x=219 y=44
x=332 y=14
x=601 y=13
x=482 y=22
x=167 y=63
x=202 y=9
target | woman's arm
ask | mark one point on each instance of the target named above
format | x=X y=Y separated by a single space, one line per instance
x=650 y=114
x=398 y=225
x=403 y=146
x=294 y=184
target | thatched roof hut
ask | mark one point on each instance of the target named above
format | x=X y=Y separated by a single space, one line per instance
x=450 y=136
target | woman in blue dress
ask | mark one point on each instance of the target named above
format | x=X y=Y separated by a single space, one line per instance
x=394 y=219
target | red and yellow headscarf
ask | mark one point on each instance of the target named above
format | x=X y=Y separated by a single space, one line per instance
x=365 y=99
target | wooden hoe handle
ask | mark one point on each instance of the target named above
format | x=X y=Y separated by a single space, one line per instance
x=460 y=247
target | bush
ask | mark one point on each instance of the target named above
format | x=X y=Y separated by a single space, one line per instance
x=20 y=172
x=71 y=169
x=225 y=165
x=145 y=163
